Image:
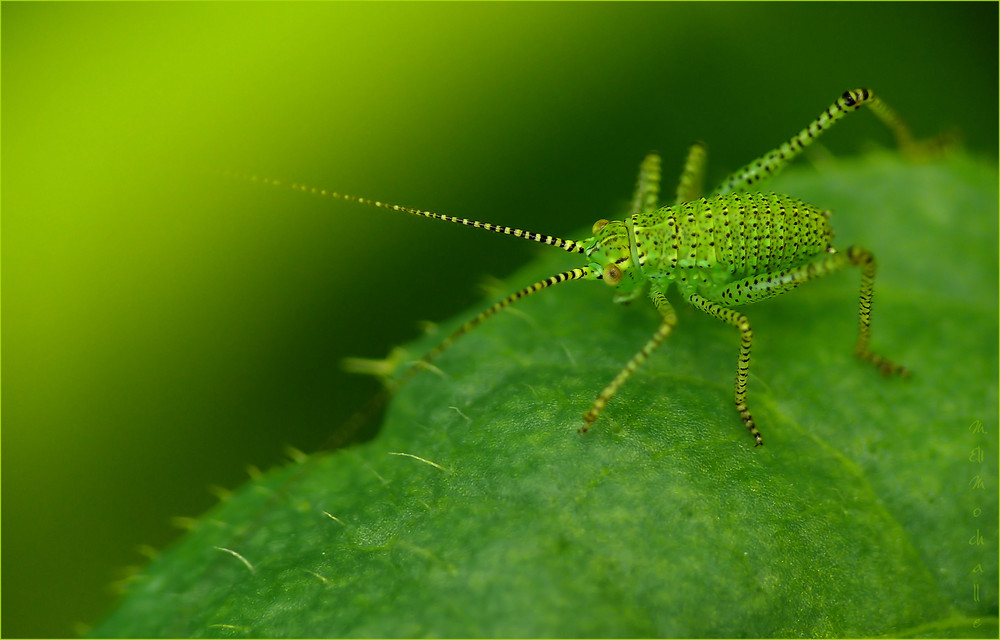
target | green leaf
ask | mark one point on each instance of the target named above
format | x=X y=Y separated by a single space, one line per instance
x=479 y=511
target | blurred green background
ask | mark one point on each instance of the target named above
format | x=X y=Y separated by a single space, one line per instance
x=165 y=327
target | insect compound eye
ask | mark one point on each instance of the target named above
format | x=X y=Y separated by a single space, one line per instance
x=612 y=275
x=599 y=225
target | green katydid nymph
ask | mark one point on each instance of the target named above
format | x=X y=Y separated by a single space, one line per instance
x=733 y=247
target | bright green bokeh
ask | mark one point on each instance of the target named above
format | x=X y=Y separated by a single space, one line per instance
x=165 y=326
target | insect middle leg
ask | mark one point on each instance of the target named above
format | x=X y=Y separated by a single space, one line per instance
x=647 y=187
x=689 y=186
x=739 y=321
x=664 y=330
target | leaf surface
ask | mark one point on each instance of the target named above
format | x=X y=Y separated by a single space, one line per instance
x=479 y=511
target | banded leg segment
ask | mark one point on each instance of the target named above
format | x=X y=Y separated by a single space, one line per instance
x=762 y=287
x=356 y=421
x=757 y=288
x=775 y=160
x=574 y=274
x=689 y=186
x=738 y=320
x=647 y=188
x=866 y=261
x=664 y=330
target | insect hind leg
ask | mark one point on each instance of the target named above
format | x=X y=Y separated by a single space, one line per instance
x=866 y=261
x=772 y=162
x=760 y=287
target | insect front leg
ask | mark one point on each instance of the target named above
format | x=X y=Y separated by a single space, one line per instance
x=355 y=422
x=664 y=330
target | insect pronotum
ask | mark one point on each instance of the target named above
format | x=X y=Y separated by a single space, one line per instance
x=728 y=249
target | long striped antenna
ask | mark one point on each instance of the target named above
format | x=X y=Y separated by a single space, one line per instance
x=571 y=246
x=345 y=434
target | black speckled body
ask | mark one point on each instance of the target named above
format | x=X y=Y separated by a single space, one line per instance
x=709 y=242
x=733 y=248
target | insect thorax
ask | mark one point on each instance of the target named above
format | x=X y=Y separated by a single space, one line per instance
x=728 y=237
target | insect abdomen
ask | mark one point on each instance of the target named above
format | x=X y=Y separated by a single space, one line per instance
x=733 y=236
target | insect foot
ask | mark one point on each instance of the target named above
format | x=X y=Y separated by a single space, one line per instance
x=741 y=407
x=863 y=259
